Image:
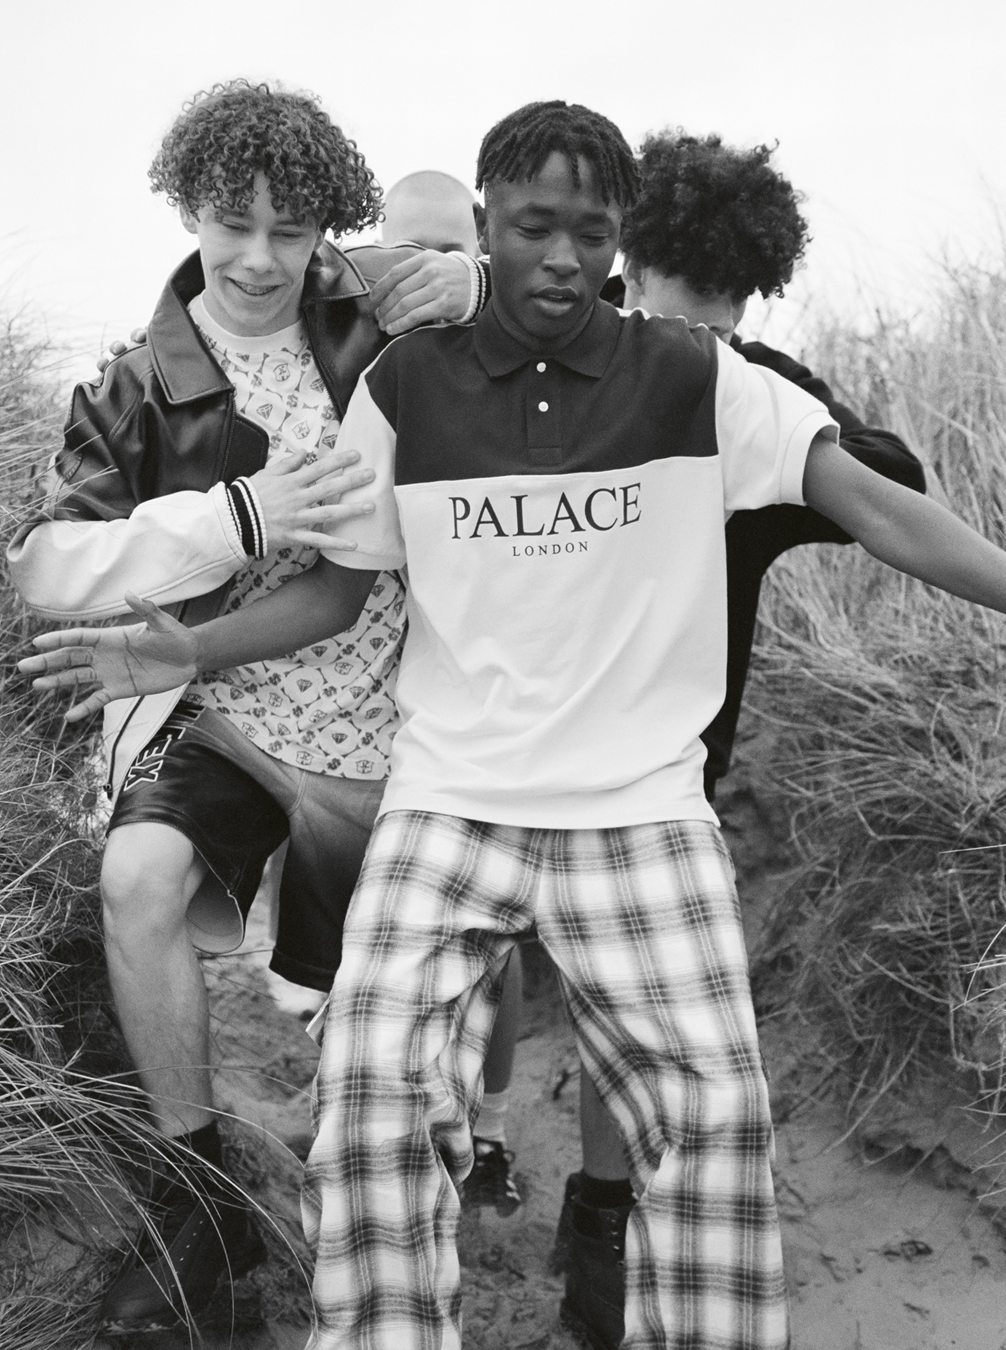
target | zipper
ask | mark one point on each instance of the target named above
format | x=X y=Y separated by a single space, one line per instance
x=108 y=788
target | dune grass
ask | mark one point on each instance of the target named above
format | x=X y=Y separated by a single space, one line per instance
x=889 y=943
x=76 y=1144
x=65 y=1119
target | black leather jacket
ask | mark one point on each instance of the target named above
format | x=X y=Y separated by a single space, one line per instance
x=163 y=420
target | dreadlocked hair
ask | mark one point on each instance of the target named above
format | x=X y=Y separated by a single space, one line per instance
x=227 y=134
x=518 y=145
x=722 y=219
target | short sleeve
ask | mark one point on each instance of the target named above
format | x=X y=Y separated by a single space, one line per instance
x=764 y=428
x=379 y=540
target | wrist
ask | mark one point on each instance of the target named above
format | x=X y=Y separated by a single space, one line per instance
x=476 y=286
x=200 y=652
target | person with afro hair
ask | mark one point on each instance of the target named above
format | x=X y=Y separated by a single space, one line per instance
x=202 y=471
x=711 y=226
x=712 y=222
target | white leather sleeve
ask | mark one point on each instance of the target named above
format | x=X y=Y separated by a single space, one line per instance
x=170 y=548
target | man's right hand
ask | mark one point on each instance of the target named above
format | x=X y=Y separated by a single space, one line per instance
x=145 y=658
x=300 y=500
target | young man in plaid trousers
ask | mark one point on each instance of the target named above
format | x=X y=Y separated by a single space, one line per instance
x=556 y=479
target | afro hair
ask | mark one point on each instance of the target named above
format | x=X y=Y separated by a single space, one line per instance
x=722 y=219
x=227 y=134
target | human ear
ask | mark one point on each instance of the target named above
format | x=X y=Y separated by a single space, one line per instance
x=632 y=274
x=481 y=226
x=188 y=219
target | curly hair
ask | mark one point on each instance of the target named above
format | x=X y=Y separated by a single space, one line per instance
x=519 y=144
x=227 y=134
x=721 y=218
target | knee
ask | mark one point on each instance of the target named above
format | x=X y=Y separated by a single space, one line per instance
x=145 y=881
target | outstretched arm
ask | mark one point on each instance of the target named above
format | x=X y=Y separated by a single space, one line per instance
x=96 y=533
x=426 y=287
x=159 y=654
x=904 y=529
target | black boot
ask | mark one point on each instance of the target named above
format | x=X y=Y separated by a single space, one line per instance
x=490 y=1182
x=594 y=1305
x=558 y=1260
x=197 y=1230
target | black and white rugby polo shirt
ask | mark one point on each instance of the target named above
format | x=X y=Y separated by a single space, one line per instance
x=561 y=519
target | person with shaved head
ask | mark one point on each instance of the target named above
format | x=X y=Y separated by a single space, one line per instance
x=432 y=209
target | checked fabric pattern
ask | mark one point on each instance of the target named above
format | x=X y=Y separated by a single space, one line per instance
x=643 y=924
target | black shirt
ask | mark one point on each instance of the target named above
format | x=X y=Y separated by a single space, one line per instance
x=756 y=538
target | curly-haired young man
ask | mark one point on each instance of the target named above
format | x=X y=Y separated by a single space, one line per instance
x=557 y=479
x=711 y=226
x=201 y=472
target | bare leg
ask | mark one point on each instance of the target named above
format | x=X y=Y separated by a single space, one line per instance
x=149 y=874
x=601 y=1139
x=490 y=1182
x=503 y=1042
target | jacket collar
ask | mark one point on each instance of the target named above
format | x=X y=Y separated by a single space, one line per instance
x=588 y=353
x=184 y=366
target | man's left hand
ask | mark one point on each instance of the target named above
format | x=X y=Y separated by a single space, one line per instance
x=113 y=663
x=430 y=287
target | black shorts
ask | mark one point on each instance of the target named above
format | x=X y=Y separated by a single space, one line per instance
x=236 y=804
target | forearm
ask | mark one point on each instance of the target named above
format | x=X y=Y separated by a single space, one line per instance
x=313 y=606
x=168 y=549
x=938 y=548
x=904 y=529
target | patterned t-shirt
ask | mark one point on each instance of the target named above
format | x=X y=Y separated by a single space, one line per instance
x=329 y=708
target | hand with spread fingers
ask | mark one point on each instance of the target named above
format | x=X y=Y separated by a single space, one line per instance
x=300 y=500
x=144 y=658
x=430 y=287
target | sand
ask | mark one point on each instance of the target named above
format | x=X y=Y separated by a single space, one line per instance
x=887 y=1243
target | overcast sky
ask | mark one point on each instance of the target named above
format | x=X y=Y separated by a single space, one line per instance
x=889 y=115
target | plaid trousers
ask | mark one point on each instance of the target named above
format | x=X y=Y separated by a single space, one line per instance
x=643 y=924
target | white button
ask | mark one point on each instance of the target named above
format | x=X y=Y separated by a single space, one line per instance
x=543 y=407
x=540 y=366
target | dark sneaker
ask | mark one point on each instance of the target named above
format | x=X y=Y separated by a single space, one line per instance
x=171 y=1276
x=594 y=1306
x=489 y=1183
x=558 y=1259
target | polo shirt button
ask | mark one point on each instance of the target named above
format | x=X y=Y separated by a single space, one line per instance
x=540 y=366
x=543 y=407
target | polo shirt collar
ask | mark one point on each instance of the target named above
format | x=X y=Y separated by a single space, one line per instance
x=588 y=353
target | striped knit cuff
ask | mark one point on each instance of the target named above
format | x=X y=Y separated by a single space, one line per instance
x=486 y=280
x=476 y=285
x=249 y=521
